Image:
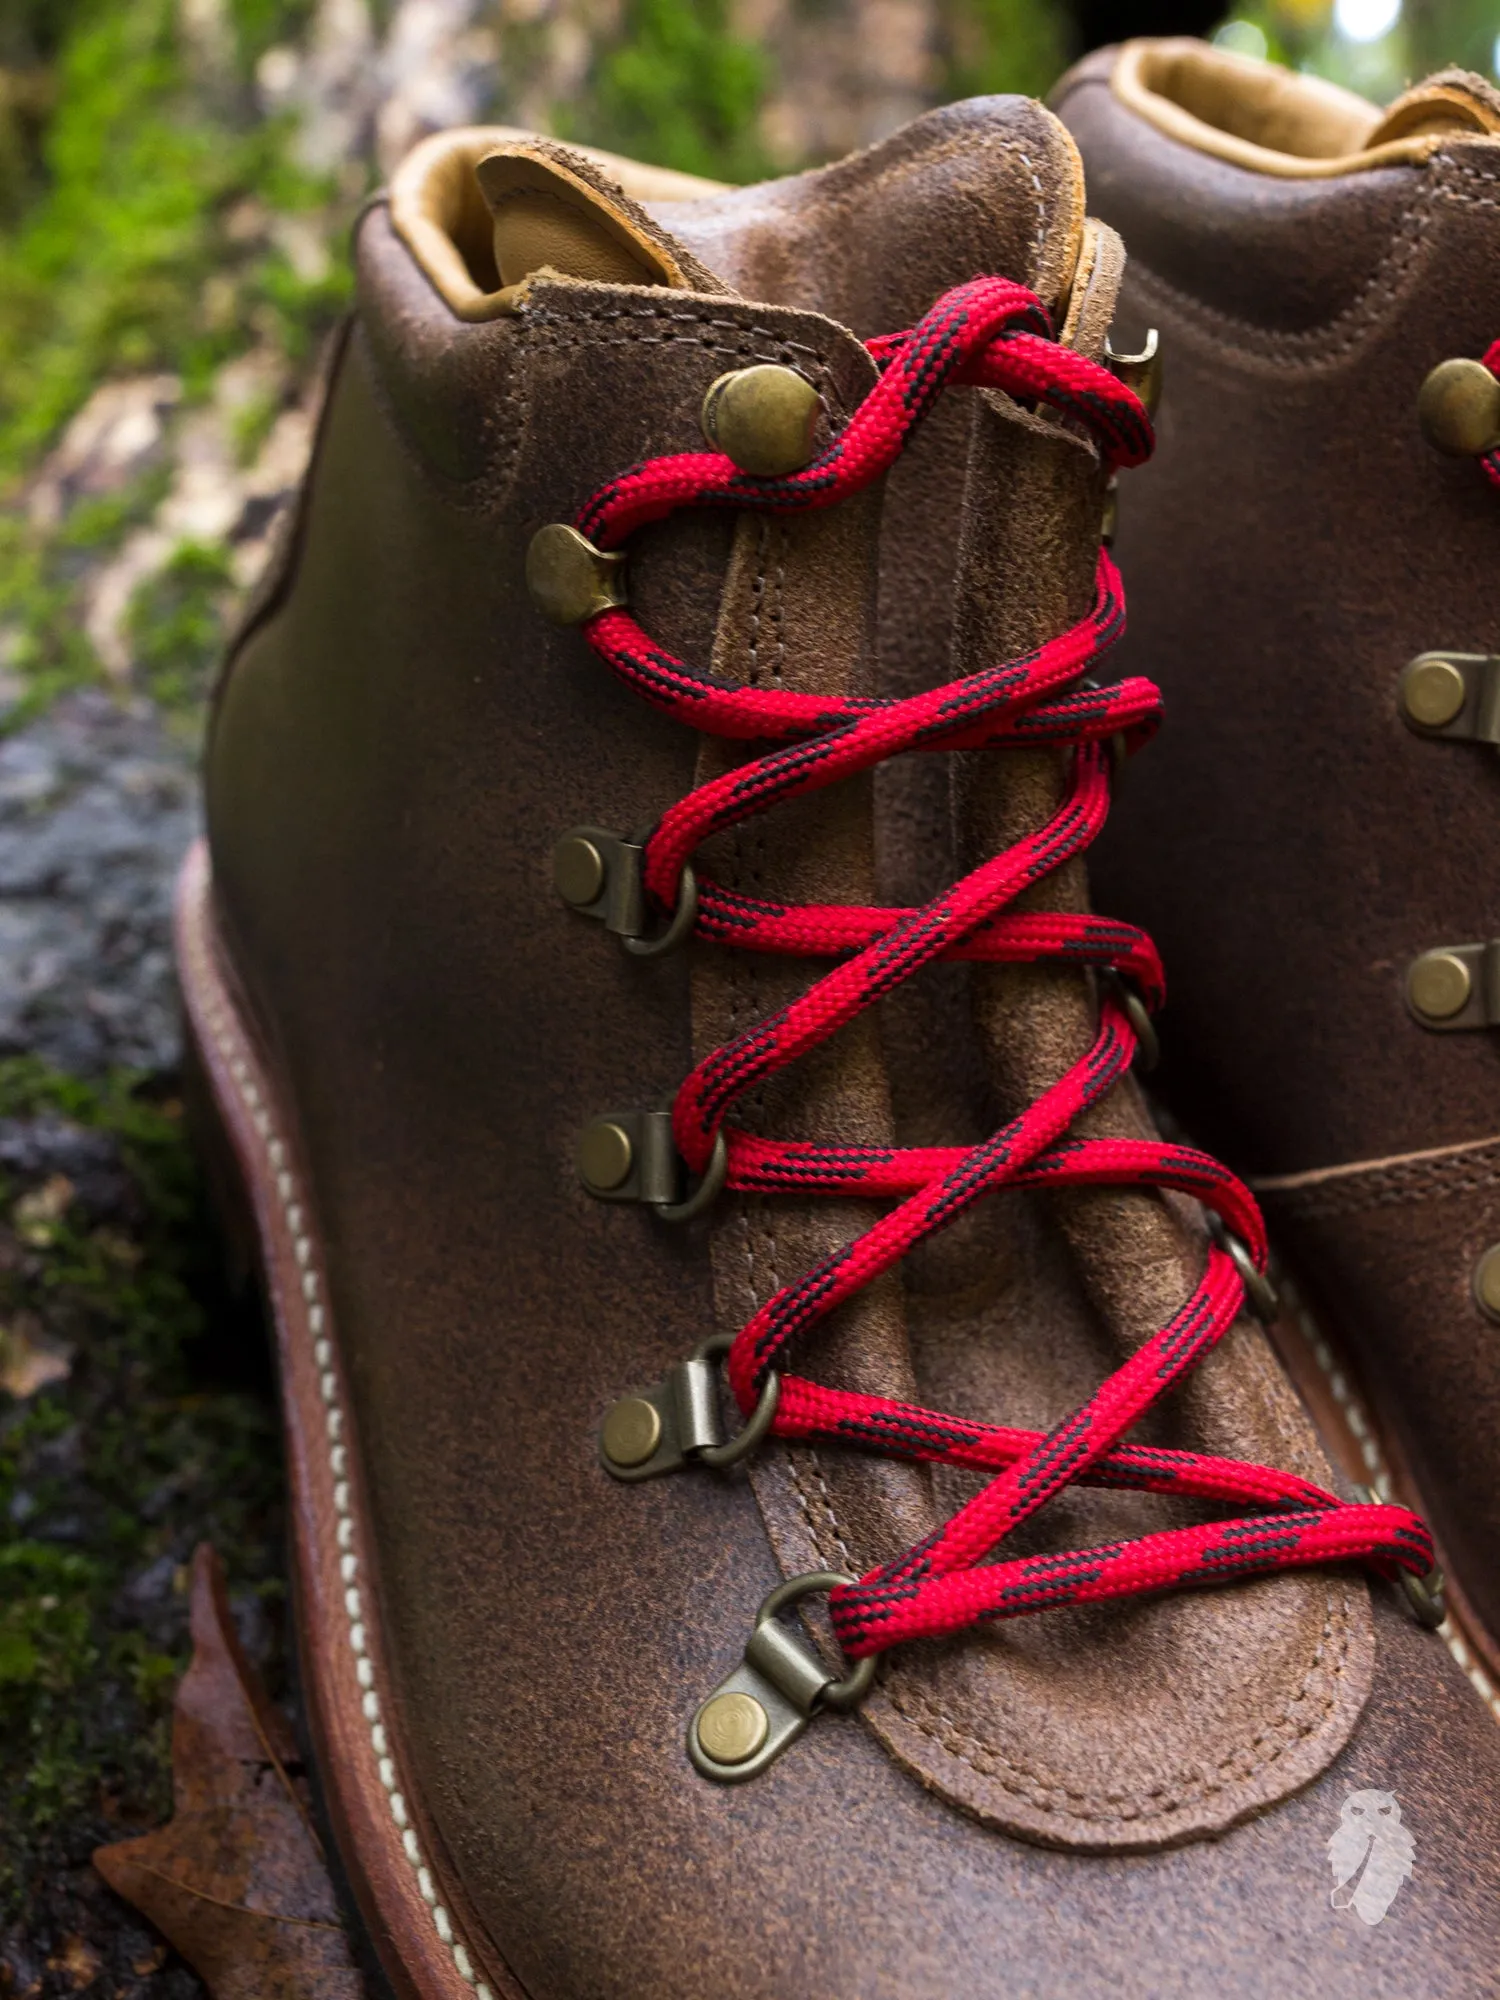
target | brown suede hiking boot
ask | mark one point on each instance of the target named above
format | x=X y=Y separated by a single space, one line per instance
x=478 y=908
x=1314 y=580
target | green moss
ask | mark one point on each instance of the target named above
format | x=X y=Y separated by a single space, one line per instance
x=155 y=1441
x=176 y=621
x=674 y=86
x=110 y=270
x=116 y=257
x=1002 y=45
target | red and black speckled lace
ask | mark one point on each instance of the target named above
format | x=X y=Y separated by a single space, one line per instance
x=994 y=333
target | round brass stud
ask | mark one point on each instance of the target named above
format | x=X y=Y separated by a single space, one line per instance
x=732 y=1727
x=1438 y=985
x=631 y=1432
x=762 y=418
x=605 y=1155
x=1458 y=407
x=1432 y=692
x=1487 y=1283
x=577 y=870
x=569 y=579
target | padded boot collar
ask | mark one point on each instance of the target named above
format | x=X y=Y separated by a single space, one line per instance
x=1271 y=120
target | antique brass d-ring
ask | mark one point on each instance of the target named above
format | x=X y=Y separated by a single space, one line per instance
x=708 y=1189
x=721 y=1456
x=677 y=931
x=765 y=1703
x=1130 y=1003
x=1260 y=1293
x=852 y=1689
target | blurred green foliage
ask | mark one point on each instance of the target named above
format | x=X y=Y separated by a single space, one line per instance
x=117 y=259
x=1427 y=35
x=674 y=86
x=176 y=621
x=1003 y=45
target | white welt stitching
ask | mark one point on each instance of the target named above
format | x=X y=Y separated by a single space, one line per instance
x=222 y=1027
x=1361 y=1429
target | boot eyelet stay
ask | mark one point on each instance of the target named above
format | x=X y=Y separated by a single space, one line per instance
x=678 y=1420
x=762 y=1707
x=599 y=875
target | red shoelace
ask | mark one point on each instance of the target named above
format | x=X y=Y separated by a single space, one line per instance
x=993 y=333
x=1490 y=461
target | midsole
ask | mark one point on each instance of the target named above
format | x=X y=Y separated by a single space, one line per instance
x=427 y=1947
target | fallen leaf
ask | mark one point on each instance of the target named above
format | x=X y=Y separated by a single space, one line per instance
x=31 y=1358
x=236 y=1880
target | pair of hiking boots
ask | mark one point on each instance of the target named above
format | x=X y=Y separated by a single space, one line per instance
x=643 y=972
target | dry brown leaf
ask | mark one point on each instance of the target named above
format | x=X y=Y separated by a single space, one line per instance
x=236 y=1879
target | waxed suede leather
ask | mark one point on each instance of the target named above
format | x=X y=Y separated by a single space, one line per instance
x=1019 y=1724
x=1293 y=545
x=396 y=744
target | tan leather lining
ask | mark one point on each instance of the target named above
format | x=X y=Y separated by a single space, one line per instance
x=1271 y=120
x=439 y=211
x=546 y=217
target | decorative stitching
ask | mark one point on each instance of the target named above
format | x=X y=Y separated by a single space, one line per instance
x=1349 y=1191
x=1332 y=341
x=949 y=1736
x=579 y=328
x=222 y=1027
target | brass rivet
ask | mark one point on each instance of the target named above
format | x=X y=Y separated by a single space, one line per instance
x=732 y=1727
x=1487 y=1282
x=1439 y=985
x=577 y=870
x=762 y=418
x=631 y=1432
x=1458 y=407
x=569 y=579
x=1432 y=692
x=605 y=1155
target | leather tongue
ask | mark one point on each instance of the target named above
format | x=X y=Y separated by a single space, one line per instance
x=1452 y=101
x=992 y=185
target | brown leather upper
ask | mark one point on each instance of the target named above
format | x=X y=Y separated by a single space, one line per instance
x=1293 y=545
x=397 y=742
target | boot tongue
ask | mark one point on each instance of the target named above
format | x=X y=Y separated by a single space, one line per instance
x=1452 y=101
x=993 y=186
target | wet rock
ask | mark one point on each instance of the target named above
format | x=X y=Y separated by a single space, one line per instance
x=42 y=1148
x=119 y=433
x=97 y=808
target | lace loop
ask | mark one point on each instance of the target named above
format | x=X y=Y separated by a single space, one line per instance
x=989 y=332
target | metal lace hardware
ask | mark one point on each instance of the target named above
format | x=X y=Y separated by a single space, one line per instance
x=664 y=1428
x=1136 y=1012
x=599 y=874
x=1424 y=1594
x=1453 y=987
x=633 y=1156
x=1452 y=695
x=1141 y=373
x=763 y=1706
x=1260 y=1293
